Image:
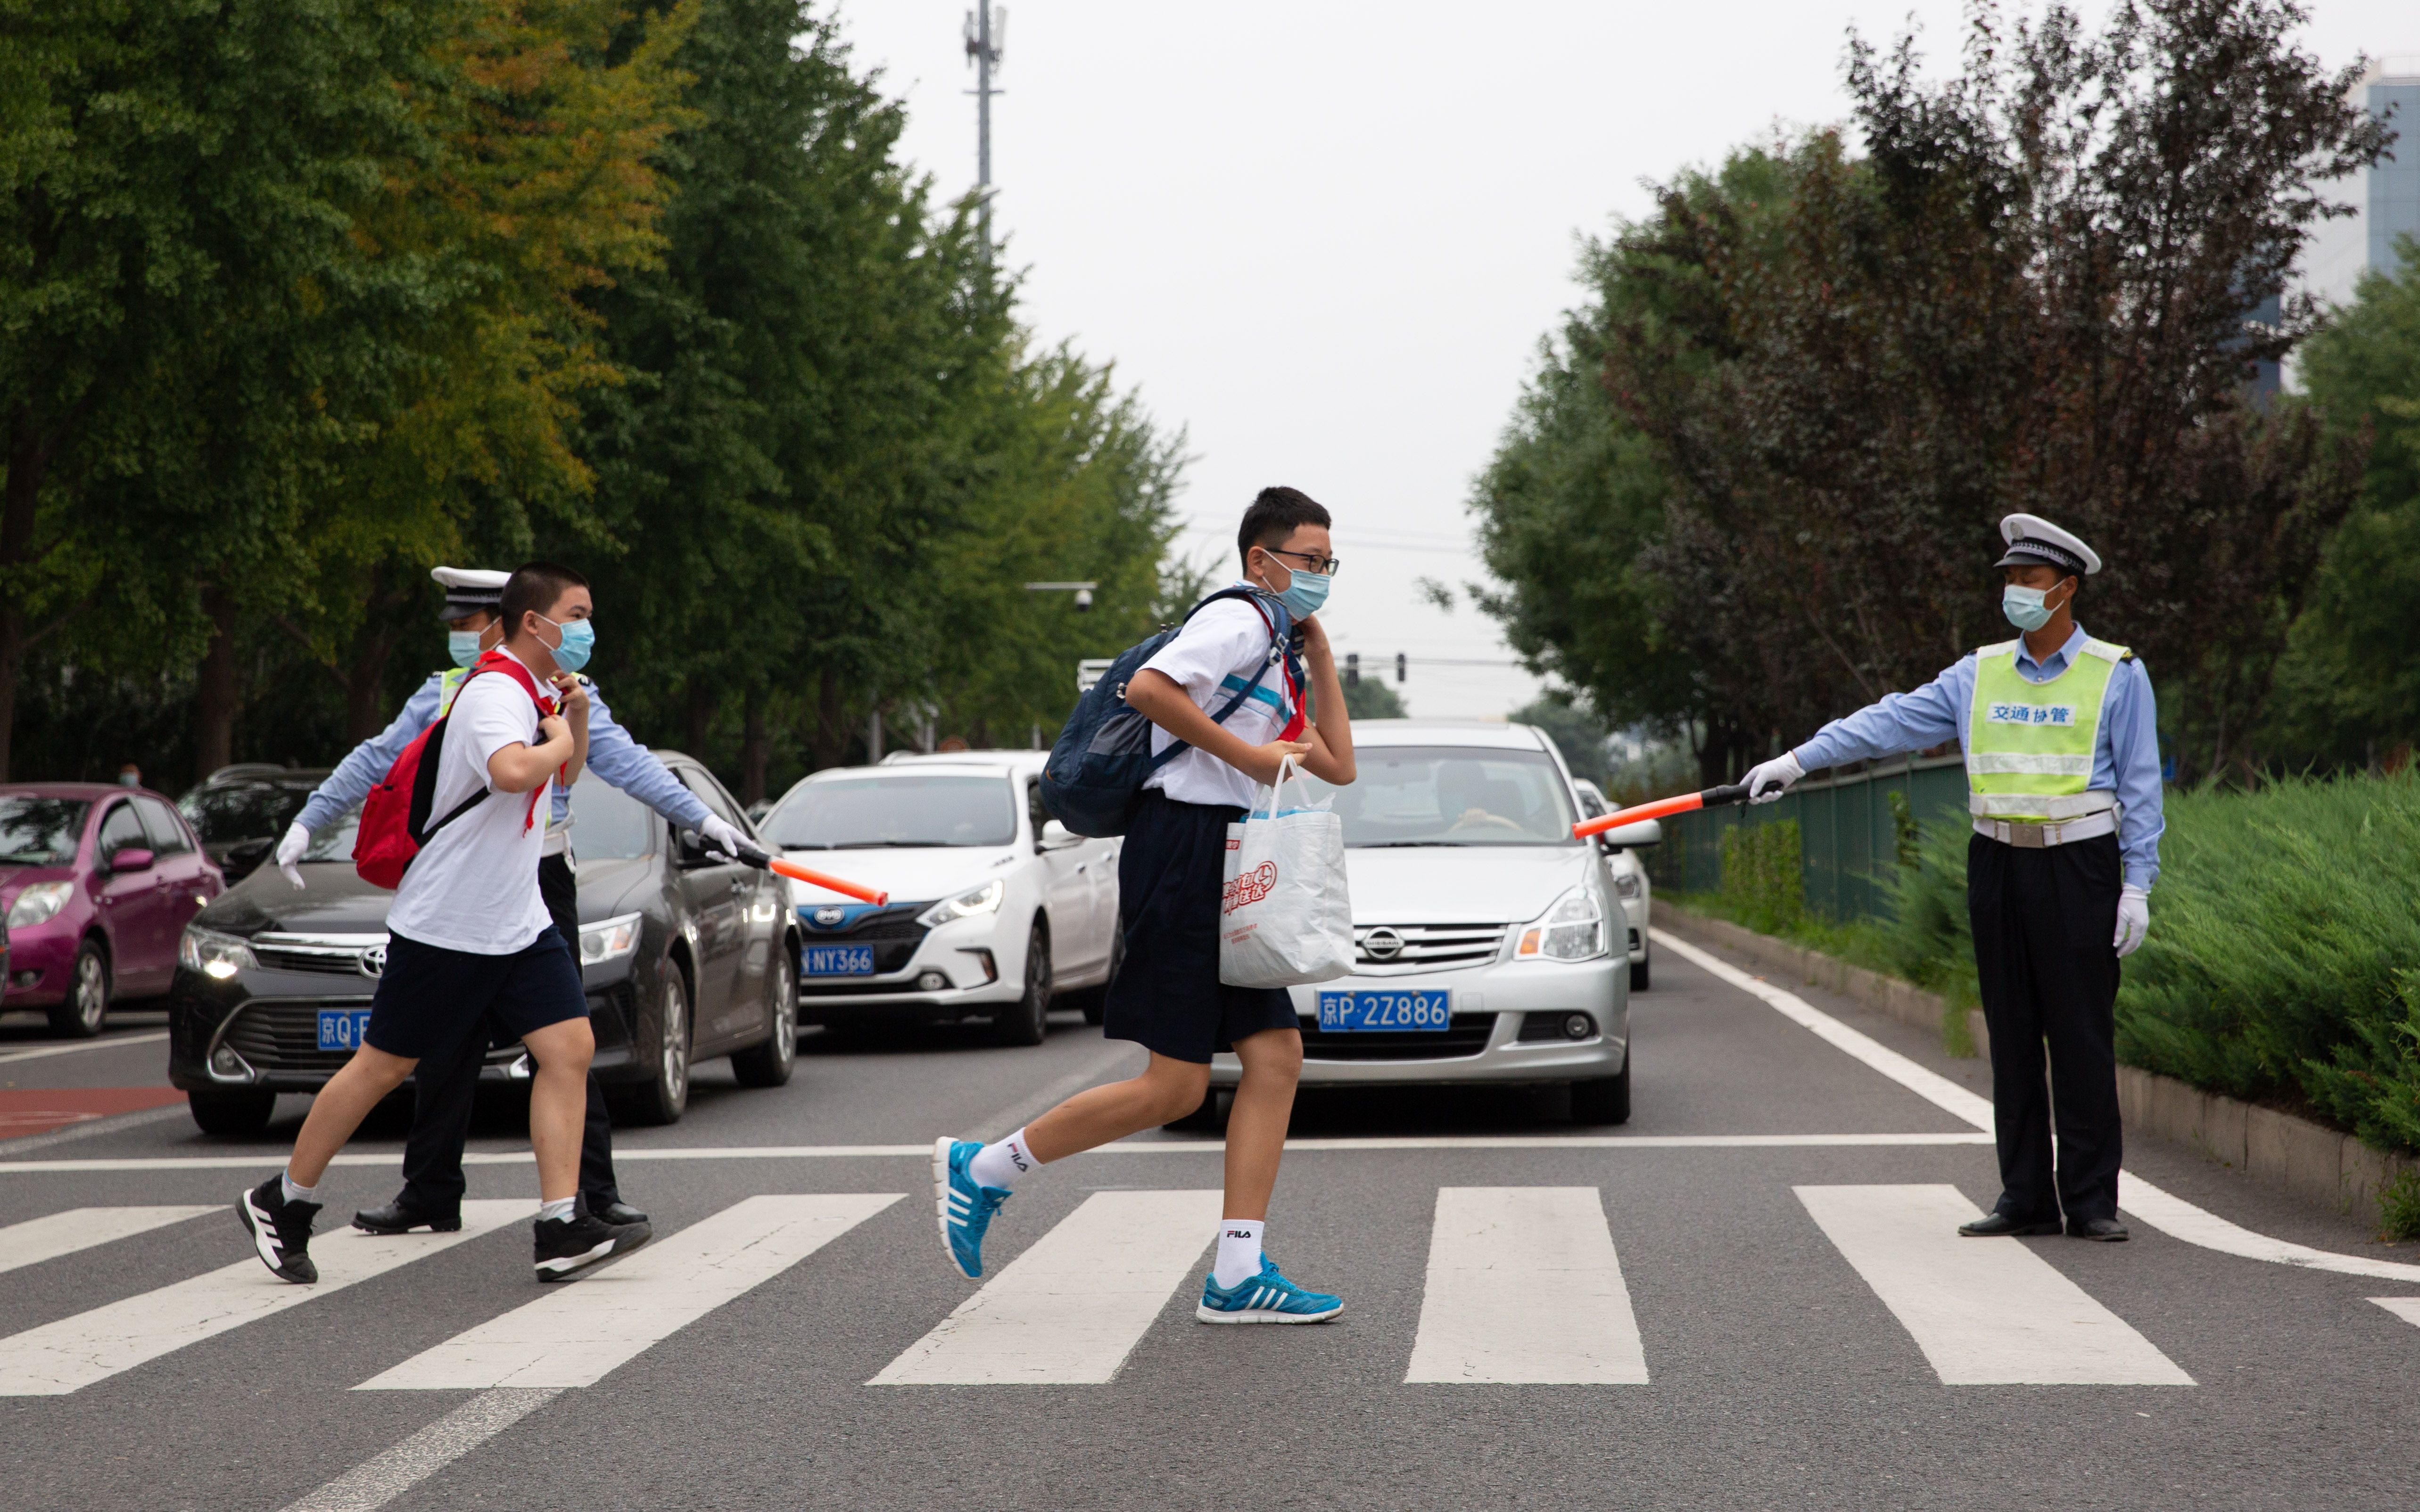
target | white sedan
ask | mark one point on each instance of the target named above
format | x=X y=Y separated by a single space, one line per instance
x=995 y=908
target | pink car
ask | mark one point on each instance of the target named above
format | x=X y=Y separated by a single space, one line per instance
x=98 y=882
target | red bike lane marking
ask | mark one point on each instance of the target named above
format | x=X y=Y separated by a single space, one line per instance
x=32 y=1110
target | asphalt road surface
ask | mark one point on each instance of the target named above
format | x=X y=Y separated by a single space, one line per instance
x=1748 y=1297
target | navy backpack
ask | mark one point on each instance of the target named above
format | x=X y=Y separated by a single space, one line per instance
x=1097 y=770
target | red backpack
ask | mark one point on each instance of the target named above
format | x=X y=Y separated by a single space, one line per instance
x=394 y=817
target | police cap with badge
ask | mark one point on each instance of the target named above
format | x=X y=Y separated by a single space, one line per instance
x=469 y=590
x=2034 y=542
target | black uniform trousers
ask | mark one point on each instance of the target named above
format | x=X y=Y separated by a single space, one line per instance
x=441 y=1096
x=2043 y=925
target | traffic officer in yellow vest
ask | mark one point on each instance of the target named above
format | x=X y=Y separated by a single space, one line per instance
x=2063 y=786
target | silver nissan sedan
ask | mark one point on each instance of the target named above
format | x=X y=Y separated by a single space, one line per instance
x=1488 y=944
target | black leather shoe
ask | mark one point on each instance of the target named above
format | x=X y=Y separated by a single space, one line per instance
x=616 y=1211
x=401 y=1217
x=2105 y=1230
x=2006 y=1225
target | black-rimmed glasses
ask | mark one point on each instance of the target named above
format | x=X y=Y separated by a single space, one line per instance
x=1324 y=567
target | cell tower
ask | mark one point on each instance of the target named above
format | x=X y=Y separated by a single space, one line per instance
x=986 y=34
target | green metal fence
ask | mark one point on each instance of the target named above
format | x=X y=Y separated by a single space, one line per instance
x=1851 y=829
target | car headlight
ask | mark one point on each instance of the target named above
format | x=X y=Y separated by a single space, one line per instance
x=983 y=899
x=214 y=955
x=40 y=902
x=1625 y=884
x=609 y=939
x=1573 y=930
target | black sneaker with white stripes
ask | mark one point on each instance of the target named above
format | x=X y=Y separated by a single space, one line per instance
x=281 y=1230
x=566 y=1247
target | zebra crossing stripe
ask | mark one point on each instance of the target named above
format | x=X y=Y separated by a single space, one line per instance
x=74 y=1352
x=2407 y=1308
x=576 y=1336
x=1524 y=1287
x=1986 y=1312
x=36 y=1239
x=1071 y=1308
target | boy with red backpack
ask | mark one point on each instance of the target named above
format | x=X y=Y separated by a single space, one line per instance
x=469 y=938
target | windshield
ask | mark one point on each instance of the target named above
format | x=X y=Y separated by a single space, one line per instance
x=859 y=813
x=608 y=825
x=39 y=831
x=1445 y=796
x=252 y=812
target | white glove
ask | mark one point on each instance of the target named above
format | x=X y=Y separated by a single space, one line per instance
x=2133 y=918
x=722 y=838
x=290 y=851
x=1782 y=770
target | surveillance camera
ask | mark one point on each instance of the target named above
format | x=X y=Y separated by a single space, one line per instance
x=1083 y=599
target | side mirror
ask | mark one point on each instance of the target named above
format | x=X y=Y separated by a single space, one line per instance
x=131 y=858
x=1058 y=837
x=1631 y=836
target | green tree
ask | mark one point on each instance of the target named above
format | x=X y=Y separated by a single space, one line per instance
x=1577 y=731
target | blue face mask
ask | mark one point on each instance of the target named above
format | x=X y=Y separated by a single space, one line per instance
x=2024 y=606
x=579 y=639
x=1303 y=595
x=463 y=646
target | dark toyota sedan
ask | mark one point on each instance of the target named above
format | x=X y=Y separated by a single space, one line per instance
x=684 y=958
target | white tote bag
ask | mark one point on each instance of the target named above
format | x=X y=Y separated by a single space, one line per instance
x=1285 y=915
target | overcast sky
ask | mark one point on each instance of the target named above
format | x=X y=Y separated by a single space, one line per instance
x=1324 y=238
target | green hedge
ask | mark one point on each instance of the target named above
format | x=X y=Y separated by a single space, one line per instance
x=1763 y=885
x=2284 y=958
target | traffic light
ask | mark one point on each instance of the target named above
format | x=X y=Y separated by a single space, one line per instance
x=1400 y=664
x=1353 y=669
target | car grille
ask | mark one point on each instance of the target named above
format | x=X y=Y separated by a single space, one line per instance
x=892 y=932
x=283 y=1034
x=1464 y=1035
x=335 y=955
x=1424 y=947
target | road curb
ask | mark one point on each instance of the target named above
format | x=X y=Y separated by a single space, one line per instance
x=2301 y=1159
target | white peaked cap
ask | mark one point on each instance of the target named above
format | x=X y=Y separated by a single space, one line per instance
x=2034 y=539
x=472 y=577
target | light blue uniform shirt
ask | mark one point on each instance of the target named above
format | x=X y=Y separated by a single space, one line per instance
x=612 y=755
x=2125 y=749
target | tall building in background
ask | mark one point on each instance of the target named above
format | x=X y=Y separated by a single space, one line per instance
x=2386 y=198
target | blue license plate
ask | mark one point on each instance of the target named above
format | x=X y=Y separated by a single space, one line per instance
x=840 y=961
x=341 y=1028
x=1350 y=1012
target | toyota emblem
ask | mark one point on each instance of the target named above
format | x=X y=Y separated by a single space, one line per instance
x=372 y=960
x=828 y=915
x=1382 y=945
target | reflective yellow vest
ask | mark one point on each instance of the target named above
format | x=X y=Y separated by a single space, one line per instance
x=2029 y=744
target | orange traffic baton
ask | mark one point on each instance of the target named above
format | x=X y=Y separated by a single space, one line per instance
x=1663 y=808
x=815 y=879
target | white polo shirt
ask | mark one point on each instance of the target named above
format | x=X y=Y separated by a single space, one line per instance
x=1218 y=651
x=474 y=886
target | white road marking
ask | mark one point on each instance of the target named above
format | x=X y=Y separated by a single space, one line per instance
x=374 y=1483
x=106 y=1043
x=2172 y=1215
x=1142 y=1146
x=578 y=1334
x=1524 y=1288
x=2407 y=1308
x=74 y=1352
x=64 y=1233
x=1986 y=1312
x=1070 y=1309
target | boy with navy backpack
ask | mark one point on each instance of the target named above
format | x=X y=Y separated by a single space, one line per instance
x=1223 y=701
x=468 y=935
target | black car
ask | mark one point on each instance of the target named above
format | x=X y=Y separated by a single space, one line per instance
x=684 y=957
x=241 y=811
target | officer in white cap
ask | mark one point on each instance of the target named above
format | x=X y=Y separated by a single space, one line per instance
x=2063 y=787
x=443 y=1095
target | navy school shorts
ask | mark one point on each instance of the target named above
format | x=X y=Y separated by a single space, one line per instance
x=1168 y=997
x=430 y=999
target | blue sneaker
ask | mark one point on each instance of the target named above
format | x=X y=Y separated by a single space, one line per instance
x=965 y=1207
x=1267 y=1298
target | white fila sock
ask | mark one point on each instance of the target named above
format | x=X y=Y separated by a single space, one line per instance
x=291 y=1193
x=1003 y=1165
x=559 y=1209
x=1239 y=1251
